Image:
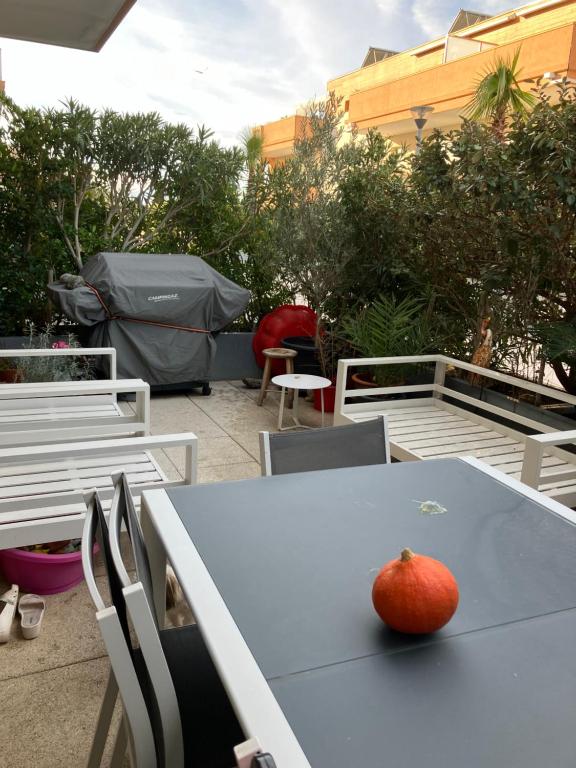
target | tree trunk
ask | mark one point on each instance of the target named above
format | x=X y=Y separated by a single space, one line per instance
x=567 y=379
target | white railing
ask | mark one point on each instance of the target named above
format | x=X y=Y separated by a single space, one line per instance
x=437 y=388
x=108 y=352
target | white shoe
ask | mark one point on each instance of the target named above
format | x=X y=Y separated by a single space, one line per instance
x=31 y=608
x=7 y=609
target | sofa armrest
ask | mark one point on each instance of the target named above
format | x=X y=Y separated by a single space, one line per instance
x=534 y=453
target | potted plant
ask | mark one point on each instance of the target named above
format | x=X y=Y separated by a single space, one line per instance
x=389 y=328
x=52 y=368
x=44 y=569
x=330 y=346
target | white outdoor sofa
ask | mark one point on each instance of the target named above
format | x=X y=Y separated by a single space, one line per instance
x=60 y=439
x=435 y=421
x=42 y=487
x=47 y=412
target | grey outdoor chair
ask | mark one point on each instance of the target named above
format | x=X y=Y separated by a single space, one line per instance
x=353 y=445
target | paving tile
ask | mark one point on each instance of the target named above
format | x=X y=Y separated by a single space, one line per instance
x=250 y=442
x=166 y=465
x=69 y=635
x=212 y=451
x=126 y=408
x=178 y=413
x=226 y=472
x=307 y=413
x=234 y=412
x=49 y=717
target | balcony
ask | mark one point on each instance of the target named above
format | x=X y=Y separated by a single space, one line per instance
x=278 y=138
x=449 y=87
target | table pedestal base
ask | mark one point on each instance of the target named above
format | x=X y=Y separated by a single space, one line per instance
x=297 y=423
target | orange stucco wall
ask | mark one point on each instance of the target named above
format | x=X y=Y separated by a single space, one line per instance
x=278 y=137
x=451 y=85
x=384 y=72
x=542 y=21
x=408 y=62
x=382 y=93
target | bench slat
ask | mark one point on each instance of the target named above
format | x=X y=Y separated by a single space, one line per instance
x=79 y=483
x=15 y=417
x=438 y=430
x=77 y=464
x=59 y=474
x=478 y=440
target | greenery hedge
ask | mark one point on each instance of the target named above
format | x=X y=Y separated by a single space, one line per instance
x=476 y=224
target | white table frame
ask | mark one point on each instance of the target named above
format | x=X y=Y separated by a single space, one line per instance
x=297 y=423
x=255 y=705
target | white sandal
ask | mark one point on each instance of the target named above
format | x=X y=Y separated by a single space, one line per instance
x=7 y=609
x=31 y=608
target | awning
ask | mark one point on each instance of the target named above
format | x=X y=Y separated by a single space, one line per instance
x=83 y=24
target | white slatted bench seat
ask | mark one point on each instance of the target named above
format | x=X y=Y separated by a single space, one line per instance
x=42 y=487
x=427 y=426
x=46 y=412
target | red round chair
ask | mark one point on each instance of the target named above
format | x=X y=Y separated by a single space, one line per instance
x=284 y=321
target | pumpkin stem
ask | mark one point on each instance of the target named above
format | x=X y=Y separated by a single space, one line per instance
x=406 y=555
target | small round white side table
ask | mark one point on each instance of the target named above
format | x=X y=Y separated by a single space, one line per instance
x=298 y=381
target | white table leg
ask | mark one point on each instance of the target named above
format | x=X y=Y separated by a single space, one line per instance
x=295 y=407
x=281 y=410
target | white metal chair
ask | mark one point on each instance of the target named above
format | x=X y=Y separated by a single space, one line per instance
x=181 y=684
x=352 y=445
x=136 y=729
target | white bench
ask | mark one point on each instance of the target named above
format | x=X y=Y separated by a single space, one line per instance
x=47 y=412
x=42 y=487
x=426 y=425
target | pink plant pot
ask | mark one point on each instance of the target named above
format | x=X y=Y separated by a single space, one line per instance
x=39 y=573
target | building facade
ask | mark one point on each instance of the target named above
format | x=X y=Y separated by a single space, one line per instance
x=443 y=73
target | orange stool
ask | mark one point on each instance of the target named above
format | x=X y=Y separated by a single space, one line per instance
x=276 y=353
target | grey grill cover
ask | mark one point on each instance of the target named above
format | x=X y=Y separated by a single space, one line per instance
x=161 y=290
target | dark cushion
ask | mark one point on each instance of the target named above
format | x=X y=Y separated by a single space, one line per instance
x=209 y=726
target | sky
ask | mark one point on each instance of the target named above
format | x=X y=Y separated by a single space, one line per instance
x=226 y=64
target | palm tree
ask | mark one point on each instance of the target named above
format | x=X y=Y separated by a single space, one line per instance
x=252 y=144
x=498 y=95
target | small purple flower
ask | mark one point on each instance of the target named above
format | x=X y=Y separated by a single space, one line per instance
x=60 y=345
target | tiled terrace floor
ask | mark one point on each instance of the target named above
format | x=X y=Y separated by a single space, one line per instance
x=51 y=687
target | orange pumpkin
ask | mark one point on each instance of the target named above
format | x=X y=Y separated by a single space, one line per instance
x=415 y=594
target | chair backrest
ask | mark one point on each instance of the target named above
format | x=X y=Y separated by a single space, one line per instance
x=113 y=624
x=162 y=700
x=353 y=445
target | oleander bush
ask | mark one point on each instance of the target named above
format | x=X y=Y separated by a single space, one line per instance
x=479 y=223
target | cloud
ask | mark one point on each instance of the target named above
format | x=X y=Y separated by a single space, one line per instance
x=260 y=59
x=434 y=17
